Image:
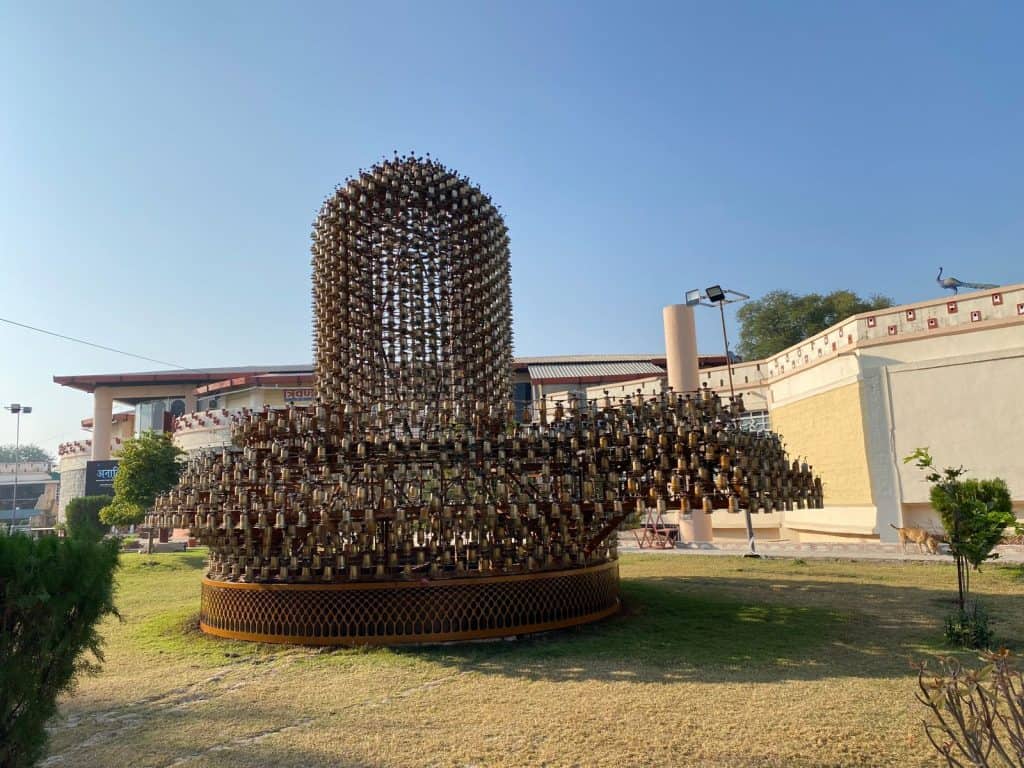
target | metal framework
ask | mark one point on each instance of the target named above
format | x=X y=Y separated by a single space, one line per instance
x=406 y=504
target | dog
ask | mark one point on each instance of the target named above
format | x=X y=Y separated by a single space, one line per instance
x=926 y=540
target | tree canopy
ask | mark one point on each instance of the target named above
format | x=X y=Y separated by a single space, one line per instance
x=149 y=466
x=781 y=319
x=25 y=452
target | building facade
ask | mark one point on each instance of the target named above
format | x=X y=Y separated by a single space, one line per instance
x=857 y=398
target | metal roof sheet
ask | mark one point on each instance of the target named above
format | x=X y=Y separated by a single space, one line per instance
x=584 y=371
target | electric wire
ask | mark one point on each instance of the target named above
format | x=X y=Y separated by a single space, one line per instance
x=93 y=344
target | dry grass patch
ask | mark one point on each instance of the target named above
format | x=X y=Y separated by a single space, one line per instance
x=713 y=662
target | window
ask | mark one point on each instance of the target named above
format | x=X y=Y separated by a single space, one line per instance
x=755 y=421
x=522 y=397
x=208 y=403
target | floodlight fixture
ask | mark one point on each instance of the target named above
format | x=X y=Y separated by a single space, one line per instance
x=693 y=297
x=715 y=293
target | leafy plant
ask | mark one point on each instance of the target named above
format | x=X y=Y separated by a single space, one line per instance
x=977 y=715
x=53 y=592
x=969 y=628
x=83 y=517
x=974 y=513
x=149 y=466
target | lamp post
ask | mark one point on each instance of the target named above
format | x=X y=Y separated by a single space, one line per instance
x=711 y=296
x=17 y=409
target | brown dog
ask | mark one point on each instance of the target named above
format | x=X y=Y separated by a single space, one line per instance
x=925 y=540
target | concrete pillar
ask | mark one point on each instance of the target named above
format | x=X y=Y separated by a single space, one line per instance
x=695 y=527
x=102 y=416
x=190 y=401
x=681 y=348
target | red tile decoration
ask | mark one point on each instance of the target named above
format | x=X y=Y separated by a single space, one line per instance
x=975 y=315
x=849 y=339
x=872 y=322
x=911 y=314
x=933 y=322
x=997 y=299
x=892 y=330
x=951 y=307
x=833 y=346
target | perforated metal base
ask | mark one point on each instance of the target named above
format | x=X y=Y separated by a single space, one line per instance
x=392 y=613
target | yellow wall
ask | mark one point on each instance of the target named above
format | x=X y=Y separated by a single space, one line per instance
x=828 y=429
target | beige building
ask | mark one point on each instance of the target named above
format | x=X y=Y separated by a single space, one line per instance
x=200 y=407
x=852 y=400
x=858 y=397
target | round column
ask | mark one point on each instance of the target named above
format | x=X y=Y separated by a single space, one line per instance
x=681 y=348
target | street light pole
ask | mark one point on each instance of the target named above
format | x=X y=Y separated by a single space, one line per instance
x=17 y=409
x=728 y=359
x=716 y=294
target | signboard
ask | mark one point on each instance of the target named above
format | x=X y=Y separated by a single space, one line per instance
x=298 y=395
x=99 y=477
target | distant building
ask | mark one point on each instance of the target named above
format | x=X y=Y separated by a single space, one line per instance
x=37 y=489
x=852 y=400
x=200 y=407
x=858 y=397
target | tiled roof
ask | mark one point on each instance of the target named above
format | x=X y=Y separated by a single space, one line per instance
x=606 y=358
x=586 y=372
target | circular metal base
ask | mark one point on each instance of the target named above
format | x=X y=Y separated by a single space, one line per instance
x=396 y=612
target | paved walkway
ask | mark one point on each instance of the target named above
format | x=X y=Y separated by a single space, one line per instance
x=1010 y=553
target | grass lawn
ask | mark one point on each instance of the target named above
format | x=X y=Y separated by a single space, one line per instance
x=714 y=661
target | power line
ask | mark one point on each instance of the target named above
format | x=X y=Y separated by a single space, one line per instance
x=92 y=344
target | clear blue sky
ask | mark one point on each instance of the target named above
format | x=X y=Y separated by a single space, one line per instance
x=161 y=165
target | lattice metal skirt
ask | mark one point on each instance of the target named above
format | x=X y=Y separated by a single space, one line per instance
x=392 y=613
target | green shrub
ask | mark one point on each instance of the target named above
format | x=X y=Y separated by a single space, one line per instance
x=53 y=592
x=83 y=517
x=969 y=628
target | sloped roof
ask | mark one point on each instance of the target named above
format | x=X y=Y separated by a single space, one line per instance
x=592 y=372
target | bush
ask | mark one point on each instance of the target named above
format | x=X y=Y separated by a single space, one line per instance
x=83 y=517
x=53 y=592
x=977 y=715
x=969 y=628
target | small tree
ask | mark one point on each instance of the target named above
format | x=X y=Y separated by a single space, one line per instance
x=83 y=517
x=149 y=466
x=975 y=515
x=53 y=592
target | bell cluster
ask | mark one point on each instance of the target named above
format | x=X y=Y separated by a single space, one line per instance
x=411 y=295
x=325 y=494
x=410 y=465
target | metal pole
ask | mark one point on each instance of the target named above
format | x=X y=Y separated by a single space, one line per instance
x=752 y=551
x=17 y=451
x=728 y=361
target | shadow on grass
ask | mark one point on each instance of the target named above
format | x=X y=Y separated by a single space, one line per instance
x=731 y=630
x=190 y=560
x=757 y=627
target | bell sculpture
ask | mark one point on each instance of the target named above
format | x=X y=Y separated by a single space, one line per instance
x=406 y=504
